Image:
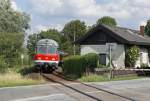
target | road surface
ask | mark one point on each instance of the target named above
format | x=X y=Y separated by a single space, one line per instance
x=129 y=90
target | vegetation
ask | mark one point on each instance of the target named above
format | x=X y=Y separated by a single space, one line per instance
x=78 y=64
x=74 y=27
x=11 y=48
x=107 y=20
x=92 y=61
x=74 y=65
x=15 y=79
x=144 y=66
x=147 y=28
x=132 y=55
x=100 y=78
x=12 y=28
x=12 y=21
x=93 y=78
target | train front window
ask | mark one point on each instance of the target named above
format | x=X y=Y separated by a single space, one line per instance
x=41 y=49
x=51 y=50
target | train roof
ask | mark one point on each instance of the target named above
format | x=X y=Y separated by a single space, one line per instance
x=47 y=42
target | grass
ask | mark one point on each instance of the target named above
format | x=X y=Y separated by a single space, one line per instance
x=100 y=78
x=11 y=79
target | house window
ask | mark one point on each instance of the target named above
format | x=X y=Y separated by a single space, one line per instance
x=102 y=59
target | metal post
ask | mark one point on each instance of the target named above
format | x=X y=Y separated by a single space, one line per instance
x=110 y=62
x=110 y=56
x=74 y=44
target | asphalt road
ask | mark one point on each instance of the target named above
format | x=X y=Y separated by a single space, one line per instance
x=130 y=90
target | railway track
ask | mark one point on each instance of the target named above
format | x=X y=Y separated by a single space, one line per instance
x=85 y=89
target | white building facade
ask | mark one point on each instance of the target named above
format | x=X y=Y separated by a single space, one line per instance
x=96 y=40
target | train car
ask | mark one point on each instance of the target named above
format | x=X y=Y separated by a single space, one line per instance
x=47 y=55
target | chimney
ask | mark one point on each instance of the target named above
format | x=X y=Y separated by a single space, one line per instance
x=142 y=30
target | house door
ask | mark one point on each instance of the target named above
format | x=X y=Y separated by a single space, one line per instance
x=102 y=59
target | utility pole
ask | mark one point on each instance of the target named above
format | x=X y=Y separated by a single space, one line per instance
x=110 y=55
x=74 y=37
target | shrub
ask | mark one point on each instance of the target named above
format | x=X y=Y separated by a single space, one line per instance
x=132 y=55
x=92 y=60
x=74 y=65
x=77 y=64
x=145 y=66
x=3 y=65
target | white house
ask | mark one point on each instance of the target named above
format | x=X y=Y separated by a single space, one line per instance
x=96 y=40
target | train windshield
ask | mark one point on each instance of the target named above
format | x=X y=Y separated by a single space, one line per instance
x=51 y=50
x=42 y=49
x=46 y=49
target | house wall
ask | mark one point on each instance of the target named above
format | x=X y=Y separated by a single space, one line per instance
x=118 y=54
x=143 y=58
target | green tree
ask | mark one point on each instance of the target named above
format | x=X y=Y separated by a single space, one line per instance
x=132 y=55
x=12 y=21
x=31 y=44
x=51 y=34
x=11 y=47
x=107 y=20
x=147 y=28
x=74 y=27
x=12 y=28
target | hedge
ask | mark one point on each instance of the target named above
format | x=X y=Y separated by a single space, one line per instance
x=77 y=64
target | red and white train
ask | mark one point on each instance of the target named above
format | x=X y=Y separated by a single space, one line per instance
x=47 y=55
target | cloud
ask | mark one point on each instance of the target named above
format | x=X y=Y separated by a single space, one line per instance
x=45 y=7
x=14 y=6
x=143 y=23
x=57 y=12
x=40 y=27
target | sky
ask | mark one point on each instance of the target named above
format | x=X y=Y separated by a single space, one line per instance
x=47 y=14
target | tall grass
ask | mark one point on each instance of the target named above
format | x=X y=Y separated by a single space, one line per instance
x=15 y=79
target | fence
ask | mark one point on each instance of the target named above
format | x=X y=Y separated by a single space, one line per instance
x=123 y=72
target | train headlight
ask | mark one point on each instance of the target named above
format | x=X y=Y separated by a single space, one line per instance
x=39 y=58
x=53 y=59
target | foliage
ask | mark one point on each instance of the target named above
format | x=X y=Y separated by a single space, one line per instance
x=147 y=28
x=12 y=26
x=132 y=55
x=11 y=47
x=50 y=34
x=107 y=20
x=15 y=79
x=3 y=65
x=31 y=44
x=92 y=60
x=93 y=78
x=102 y=78
x=74 y=27
x=77 y=64
x=144 y=66
x=74 y=65
x=12 y=21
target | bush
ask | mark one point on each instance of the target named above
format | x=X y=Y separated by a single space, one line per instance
x=132 y=55
x=144 y=66
x=78 y=64
x=3 y=65
x=74 y=65
x=91 y=60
